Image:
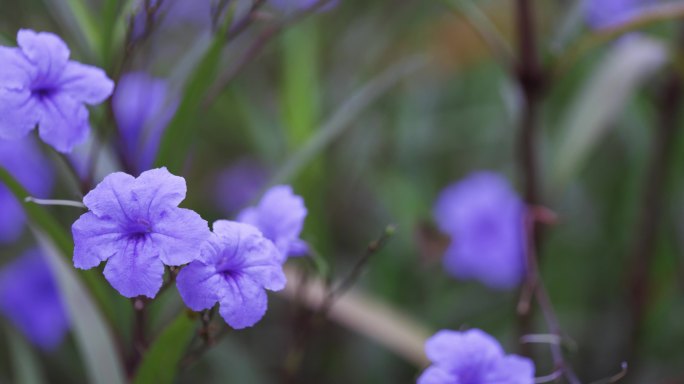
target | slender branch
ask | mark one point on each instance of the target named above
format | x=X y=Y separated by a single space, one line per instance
x=64 y=203
x=139 y=331
x=530 y=82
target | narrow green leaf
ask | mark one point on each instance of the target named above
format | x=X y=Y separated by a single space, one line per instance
x=74 y=16
x=26 y=367
x=178 y=136
x=626 y=66
x=160 y=363
x=93 y=337
x=348 y=112
x=41 y=219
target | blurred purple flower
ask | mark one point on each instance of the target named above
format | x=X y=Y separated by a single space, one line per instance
x=30 y=299
x=40 y=86
x=136 y=225
x=172 y=13
x=24 y=161
x=239 y=184
x=142 y=109
x=236 y=265
x=280 y=217
x=484 y=218
x=473 y=357
x=607 y=13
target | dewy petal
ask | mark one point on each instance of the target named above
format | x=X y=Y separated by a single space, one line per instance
x=17 y=71
x=95 y=240
x=106 y=200
x=63 y=122
x=85 y=83
x=46 y=51
x=136 y=269
x=436 y=375
x=243 y=303
x=200 y=286
x=179 y=233
x=19 y=113
x=452 y=348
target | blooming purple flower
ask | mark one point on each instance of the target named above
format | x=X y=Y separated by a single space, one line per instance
x=24 y=161
x=607 y=13
x=484 y=218
x=136 y=226
x=39 y=85
x=236 y=265
x=280 y=217
x=237 y=185
x=142 y=109
x=473 y=357
x=30 y=300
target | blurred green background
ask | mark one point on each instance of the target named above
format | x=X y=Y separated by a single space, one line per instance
x=369 y=110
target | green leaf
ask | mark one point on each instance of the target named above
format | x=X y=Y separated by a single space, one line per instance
x=160 y=363
x=626 y=66
x=75 y=16
x=41 y=219
x=26 y=367
x=345 y=115
x=93 y=336
x=179 y=134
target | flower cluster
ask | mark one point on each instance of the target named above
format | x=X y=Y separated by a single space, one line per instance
x=484 y=218
x=136 y=226
x=39 y=85
x=473 y=357
x=30 y=299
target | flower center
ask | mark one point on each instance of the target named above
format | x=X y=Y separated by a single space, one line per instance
x=42 y=92
x=140 y=228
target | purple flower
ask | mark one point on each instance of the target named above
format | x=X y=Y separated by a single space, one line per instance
x=40 y=85
x=136 y=226
x=142 y=109
x=473 y=357
x=236 y=265
x=608 y=13
x=30 y=299
x=238 y=185
x=280 y=217
x=24 y=161
x=484 y=218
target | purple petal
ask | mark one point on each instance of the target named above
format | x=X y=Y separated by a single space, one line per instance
x=243 y=303
x=63 y=122
x=178 y=235
x=85 y=83
x=279 y=216
x=437 y=375
x=95 y=240
x=17 y=71
x=200 y=286
x=452 y=348
x=19 y=113
x=30 y=299
x=160 y=189
x=46 y=51
x=512 y=369
x=136 y=269
x=13 y=218
x=105 y=200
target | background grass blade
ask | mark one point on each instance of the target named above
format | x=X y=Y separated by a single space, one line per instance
x=93 y=337
x=159 y=365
